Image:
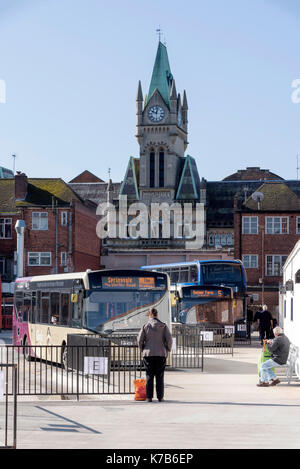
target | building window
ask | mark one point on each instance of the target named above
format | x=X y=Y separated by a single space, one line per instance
x=250 y=225
x=5 y=228
x=2 y=265
x=292 y=309
x=40 y=220
x=64 y=218
x=161 y=168
x=220 y=239
x=277 y=225
x=229 y=240
x=63 y=258
x=298 y=225
x=152 y=169
x=217 y=239
x=39 y=258
x=223 y=239
x=274 y=265
x=211 y=240
x=250 y=261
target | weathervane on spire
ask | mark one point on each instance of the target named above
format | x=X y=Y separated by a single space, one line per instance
x=159 y=33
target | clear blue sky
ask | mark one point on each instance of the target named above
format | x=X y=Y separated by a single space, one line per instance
x=71 y=69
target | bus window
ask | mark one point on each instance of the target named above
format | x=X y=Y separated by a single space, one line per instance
x=65 y=308
x=18 y=303
x=27 y=306
x=193 y=274
x=54 y=308
x=32 y=316
x=45 y=308
x=77 y=312
x=174 y=275
x=184 y=275
x=38 y=307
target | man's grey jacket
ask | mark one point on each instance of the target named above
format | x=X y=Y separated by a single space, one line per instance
x=279 y=349
x=155 y=339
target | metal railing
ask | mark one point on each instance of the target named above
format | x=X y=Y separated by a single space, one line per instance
x=72 y=370
x=216 y=341
x=14 y=375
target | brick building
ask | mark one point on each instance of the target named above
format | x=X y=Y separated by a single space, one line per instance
x=60 y=233
x=267 y=226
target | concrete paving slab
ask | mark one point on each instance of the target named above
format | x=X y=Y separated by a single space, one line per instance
x=218 y=408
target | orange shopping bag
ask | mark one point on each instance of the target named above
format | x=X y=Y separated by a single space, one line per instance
x=139 y=389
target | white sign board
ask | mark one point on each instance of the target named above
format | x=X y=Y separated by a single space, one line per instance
x=241 y=327
x=229 y=329
x=208 y=336
x=174 y=345
x=95 y=365
x=1 y=384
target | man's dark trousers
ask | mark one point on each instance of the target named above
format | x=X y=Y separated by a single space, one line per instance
x=155 y=367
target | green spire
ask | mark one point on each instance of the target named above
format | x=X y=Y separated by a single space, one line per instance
x=161 y=76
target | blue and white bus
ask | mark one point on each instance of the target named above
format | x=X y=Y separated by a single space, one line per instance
x=208 y=275
x=227 y=273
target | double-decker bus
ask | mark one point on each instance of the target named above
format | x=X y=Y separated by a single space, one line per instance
x=210 y=276
x=48 y=308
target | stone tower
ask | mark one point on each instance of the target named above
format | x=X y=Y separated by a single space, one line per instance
x=161 y=132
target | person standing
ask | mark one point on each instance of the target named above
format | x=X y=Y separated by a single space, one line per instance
x=257 y=314
x=265 y=323
x=155 y=341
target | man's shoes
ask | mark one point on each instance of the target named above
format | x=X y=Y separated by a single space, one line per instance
x=263 y=385
x=274 y=382
x=149 y=399
x=161 y=400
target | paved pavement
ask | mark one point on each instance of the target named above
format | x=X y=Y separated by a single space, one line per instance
x=219 y=408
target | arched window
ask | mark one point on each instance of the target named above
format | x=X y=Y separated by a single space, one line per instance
x=152 y=167
x=229 y=240
x=211 y=240
x=297 y=276
x=223 y=239
x=161 y=167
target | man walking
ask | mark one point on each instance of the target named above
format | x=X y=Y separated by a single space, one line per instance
x=154 y=341
x=279 y=348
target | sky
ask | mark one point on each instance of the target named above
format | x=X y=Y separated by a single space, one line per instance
x=69 y=71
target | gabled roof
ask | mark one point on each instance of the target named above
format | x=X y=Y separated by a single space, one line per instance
x=253 y=173
x=161 y=76
x=40 y=192
x=130 y=184
x=86 y=176
x=277 y=197
x=189 y=183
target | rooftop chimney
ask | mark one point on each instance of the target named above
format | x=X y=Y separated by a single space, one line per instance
x=20 y=186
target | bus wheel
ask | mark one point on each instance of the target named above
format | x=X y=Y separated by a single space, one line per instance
x=26 y=350
x=64 y=356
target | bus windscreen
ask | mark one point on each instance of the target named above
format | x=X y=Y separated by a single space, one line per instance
x=222 y=274
x=102 y=306
x=114 y=295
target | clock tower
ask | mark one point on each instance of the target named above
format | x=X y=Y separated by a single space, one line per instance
x=161 y=132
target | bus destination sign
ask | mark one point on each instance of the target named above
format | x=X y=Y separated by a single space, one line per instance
x=128 y=283
x=210 y=293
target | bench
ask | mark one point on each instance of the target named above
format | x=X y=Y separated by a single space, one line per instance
x=287 y=373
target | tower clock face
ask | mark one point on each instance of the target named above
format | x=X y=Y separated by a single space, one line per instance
x=156 y=113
